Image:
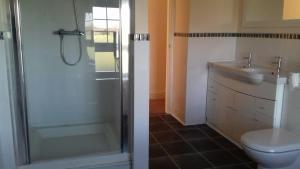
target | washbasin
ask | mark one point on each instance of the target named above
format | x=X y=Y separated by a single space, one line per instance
x=250 y=70
x=239 y=72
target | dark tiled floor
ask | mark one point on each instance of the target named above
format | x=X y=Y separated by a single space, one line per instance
x=174 y=146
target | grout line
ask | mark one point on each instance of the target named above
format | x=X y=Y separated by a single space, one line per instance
x=166 y=151
x=159 y=143
x=213 y=139
x=228 y=150
x=197 y=152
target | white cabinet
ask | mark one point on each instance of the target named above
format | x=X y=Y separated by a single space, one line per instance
x=234 y=113
x=226 y=105
x=211 y=107
x=246 y=115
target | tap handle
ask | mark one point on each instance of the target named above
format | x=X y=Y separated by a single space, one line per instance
x=278 y=60
x=249 y=57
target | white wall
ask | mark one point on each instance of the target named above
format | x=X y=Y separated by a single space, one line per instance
x=178 y=61
x=266 y=10
x=214 y=15
x=207 y=16
x=141 y=89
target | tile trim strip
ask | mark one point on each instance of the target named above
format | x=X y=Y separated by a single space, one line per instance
x=241 y=35
x=139 y=36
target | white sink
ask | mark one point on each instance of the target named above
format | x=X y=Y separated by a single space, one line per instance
x=250 y=70
x=253 y=75
x=233 y=70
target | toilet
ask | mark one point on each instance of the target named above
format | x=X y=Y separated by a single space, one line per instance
x=273 y=148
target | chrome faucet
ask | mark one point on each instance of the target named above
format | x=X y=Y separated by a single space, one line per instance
x=249 y=58
x=278 y=63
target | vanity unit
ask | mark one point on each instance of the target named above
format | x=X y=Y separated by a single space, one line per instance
x=242 y=99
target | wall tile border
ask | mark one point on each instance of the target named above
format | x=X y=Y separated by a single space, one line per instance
x=241 y=35
x=139 y=36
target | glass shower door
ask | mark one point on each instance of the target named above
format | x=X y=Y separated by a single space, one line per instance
x=72 y=69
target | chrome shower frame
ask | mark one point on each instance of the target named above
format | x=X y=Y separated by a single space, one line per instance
x=23 y=156
x=126 y=82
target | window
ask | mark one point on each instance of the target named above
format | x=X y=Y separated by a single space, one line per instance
x=106 y=27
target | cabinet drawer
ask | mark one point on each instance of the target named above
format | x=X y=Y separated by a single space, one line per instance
x=265 y=107
x=263 y=122
x=211 y=97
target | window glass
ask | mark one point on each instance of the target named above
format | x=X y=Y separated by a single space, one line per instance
x=113 y=13
x=105 y=62
x=99 y=13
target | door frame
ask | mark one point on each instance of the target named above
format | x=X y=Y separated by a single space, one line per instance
x=171 y=19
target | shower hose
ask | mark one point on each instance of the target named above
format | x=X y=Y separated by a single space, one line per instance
x=77 y=33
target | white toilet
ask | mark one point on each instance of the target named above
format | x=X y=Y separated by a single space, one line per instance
x=273 y=148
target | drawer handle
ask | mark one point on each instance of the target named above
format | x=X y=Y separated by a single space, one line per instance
x=214 y=99
x=262 y=108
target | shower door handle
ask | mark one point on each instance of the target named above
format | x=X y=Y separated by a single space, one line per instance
x=1 y=35
x=4 y=35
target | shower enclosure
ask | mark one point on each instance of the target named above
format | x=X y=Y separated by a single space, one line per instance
x=70 y=78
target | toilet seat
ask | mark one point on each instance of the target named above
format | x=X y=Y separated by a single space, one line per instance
x=271 y=141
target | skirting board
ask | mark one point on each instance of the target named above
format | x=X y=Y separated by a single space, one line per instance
x=234 y=142
x=183 y=122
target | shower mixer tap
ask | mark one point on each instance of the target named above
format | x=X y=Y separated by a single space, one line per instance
x=71 y=33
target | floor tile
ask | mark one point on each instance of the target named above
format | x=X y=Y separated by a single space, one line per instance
x=253 y=165
x=167 y=136
x=178 y=126
x=155 y=119
x=168 y=118
x=156 y=151
x=225 y=143
x=221 y=158
x=161 y=163
x=241 y=166
x=240 y=154
x=192 y=134
x=159 y=126
x=205 y=145
x=191 y=161
x=166 y=131
x=210 y=132
x=202 y=126
x=178 y=148
x=152 y=140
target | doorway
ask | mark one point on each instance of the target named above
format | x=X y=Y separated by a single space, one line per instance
x=161 y=29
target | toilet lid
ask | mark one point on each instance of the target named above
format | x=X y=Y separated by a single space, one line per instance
x=271 y=140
